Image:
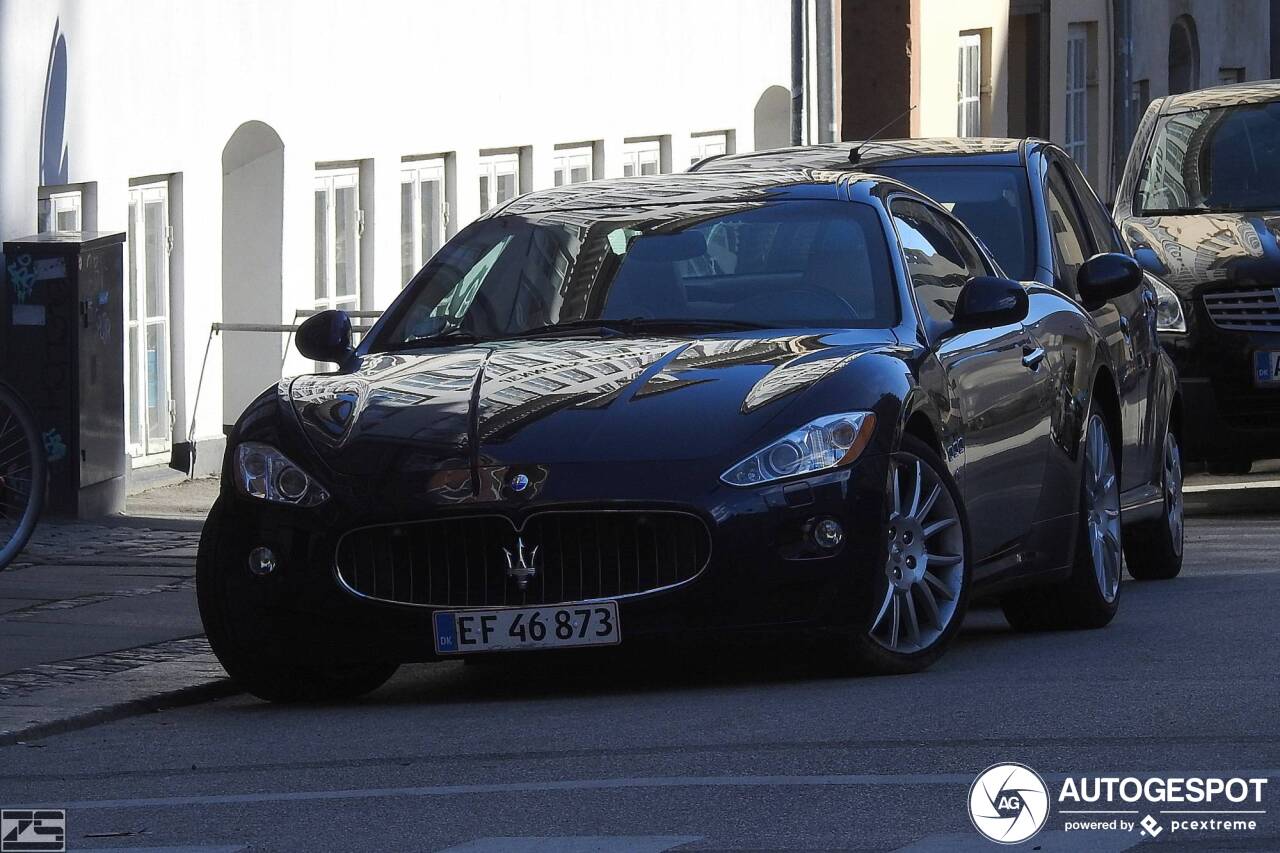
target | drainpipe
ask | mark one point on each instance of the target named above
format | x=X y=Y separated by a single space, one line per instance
x=1122 y=117
x=799 y=41
x=825 y=22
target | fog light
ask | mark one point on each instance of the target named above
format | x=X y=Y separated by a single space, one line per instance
x=262 y=561
x=828 y=534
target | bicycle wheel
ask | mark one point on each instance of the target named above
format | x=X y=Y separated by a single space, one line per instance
x=22 y=475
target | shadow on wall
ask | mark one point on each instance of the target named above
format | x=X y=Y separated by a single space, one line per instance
x=54 y=155
x=252 y=262
x=773 y=119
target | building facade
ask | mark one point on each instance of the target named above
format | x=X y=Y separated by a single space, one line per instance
x=1077 y=72
x=271 y=158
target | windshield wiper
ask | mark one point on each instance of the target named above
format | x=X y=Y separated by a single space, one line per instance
x=609 y=328
x=443 y=339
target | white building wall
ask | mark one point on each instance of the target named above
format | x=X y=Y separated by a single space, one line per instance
x=157 y=87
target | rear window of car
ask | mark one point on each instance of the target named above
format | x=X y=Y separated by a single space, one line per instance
x=993 y=201
x=1213 y=161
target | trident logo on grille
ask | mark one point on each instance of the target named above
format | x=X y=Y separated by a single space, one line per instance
x=520 y=565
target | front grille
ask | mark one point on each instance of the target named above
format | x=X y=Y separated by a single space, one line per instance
x=1244 y=310
x=463 y=562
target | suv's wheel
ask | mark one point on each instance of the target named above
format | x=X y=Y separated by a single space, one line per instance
x=1153 y=549
x=1090 y=596
x=918 y=600
x=248 y=643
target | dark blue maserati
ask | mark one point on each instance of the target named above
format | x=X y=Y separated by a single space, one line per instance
x=793 y=399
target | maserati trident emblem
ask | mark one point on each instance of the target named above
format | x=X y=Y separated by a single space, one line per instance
x=520 y=565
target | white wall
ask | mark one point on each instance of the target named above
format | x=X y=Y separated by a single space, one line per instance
x=1233 y=34
x=157 y=87
x=941 y=22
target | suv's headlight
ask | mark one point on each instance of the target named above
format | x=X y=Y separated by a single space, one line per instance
x=1169 y=316
x=824 y=443
x=265 y=473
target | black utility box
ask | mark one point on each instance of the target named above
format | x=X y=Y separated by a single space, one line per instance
x=62 y=341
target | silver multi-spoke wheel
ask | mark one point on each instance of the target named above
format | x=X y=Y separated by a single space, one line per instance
x=924 y=571
x=1173 y=492
x=1102 y=508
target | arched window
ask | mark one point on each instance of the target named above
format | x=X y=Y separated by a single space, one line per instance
x=1184 y=56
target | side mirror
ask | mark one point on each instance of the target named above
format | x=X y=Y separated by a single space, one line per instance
x=325 y=336
x=986 y=302
x=1104 y=277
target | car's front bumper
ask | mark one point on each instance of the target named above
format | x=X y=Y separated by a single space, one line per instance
x=752 y=578
x=1226 y=415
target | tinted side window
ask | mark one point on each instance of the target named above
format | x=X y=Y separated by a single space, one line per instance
x=1071 y=242
x=939 y=258
x=1105 y=236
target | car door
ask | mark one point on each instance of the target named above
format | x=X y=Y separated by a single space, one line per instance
x=992 y=377
x=1081 y=228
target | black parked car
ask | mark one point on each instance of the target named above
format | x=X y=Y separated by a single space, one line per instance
x=1199 y=203
x=1029 y=203
x=674 y=405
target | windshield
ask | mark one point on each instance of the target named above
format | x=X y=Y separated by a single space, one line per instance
x=808 y=264
x=1213 y=161
x=992 y=200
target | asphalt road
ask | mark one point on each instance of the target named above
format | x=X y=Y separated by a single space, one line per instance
x=734 y=748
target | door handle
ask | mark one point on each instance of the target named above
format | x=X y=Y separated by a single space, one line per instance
x=1124 y=326
x=1032 y=356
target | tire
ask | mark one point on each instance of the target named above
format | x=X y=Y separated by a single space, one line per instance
x=23 y=475
x=1090 y=596
x=1153 y=549
x=249 y=642
x=910 y=612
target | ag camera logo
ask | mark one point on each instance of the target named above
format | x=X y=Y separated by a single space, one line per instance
x=1008 y=803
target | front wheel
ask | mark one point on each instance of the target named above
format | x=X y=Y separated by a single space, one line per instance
x=1090 y=596
x=914 y=605
x=1153 y=549
x=22 y=475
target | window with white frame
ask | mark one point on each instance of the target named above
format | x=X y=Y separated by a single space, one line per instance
x=499 y=179
x=148 y=392
x=969 y=86
x=1077 y=95
x=339 y=223
x=424 y=213
x=59 y=209
x=709 y=145
x=641 y=157
x=572 y=164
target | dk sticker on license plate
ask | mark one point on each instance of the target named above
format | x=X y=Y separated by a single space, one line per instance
x=511 y=629
x=1266 y=367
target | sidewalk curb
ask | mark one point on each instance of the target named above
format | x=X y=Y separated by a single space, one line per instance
x=1259 y=498
x=191 y=695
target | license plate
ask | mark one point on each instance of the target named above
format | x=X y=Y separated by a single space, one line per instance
x=515 y=629
x=1266 y=364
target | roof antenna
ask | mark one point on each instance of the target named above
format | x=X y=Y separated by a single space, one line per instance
x=855 y=153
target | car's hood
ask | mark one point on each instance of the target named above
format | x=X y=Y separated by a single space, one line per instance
x=1209 y=249
x=543 y=402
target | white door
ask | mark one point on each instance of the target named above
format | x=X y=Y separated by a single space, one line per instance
x=149 y=414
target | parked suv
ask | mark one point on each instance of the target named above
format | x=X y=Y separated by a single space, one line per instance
x=1199 y=205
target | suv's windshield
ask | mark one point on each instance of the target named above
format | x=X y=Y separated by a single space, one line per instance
x=992 y=200
x=616 y=270
x=1213 y=161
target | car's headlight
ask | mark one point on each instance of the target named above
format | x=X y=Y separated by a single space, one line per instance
x=824 y=443
x=1169 y=316
x=265 y=473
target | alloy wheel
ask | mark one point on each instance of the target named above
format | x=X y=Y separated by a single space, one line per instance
x=924 y=569
x=1173 y=492
x=1102 y=508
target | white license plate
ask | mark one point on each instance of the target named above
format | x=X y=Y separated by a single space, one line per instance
x=1266 y=367
x=513 y=629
